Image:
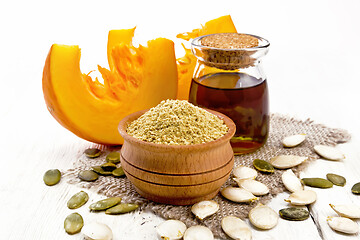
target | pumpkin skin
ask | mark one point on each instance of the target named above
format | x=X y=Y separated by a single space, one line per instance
x=139 y=79
x=187 y=63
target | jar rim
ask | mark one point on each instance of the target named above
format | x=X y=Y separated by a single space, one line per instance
x=263 y=43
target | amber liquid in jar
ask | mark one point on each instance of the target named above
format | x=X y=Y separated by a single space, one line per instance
x=241 y=97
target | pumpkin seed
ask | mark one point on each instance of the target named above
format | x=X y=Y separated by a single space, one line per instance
x=243 y=172
x=263 y=166
x=286 y=161
x=122 y=208
x=236 y=194
x=97 y=231
x=294 y=214
x=336 y=179
x=119 y=172
x=329 y=152
x=294 y=140
x=198 y=233
x=88 y=175
x=356 y=188
x=77 y=200
x=236 y=228
x=73 y=223
x=171 y=230
x=291 y=181
x=113 y=157
x=349 y=210
x=101 y=171
x=344 y=225
x=255 y=187
x=105 y=203
x=108 y=167
x=204 y=209
x=263 y=217
x=52 y=177
x=302 y=197
x=92 y=152
x=317 y=182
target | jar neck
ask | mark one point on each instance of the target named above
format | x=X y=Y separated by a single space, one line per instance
x=229 y=58
x=256 y=70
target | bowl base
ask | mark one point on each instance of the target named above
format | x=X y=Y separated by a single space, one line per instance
x=177 y=201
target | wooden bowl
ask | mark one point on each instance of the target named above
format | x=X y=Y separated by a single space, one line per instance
x=177 y=174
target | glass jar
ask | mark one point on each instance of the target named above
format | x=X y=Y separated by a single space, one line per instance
x=231 y=80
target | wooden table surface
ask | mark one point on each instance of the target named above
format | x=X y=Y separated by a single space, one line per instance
x=312 y=68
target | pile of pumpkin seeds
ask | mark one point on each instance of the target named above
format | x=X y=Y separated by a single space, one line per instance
x=74 y=222
x=261 y=216
x=112 y=206
x=344 y=222
x=108 y=168
x=264 y=217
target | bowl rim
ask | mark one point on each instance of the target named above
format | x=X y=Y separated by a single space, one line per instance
x=131 y=117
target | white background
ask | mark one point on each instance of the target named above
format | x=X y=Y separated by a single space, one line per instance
x=312 y=69
x=313 y=55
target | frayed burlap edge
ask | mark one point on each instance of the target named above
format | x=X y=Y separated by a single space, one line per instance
x=280 y=126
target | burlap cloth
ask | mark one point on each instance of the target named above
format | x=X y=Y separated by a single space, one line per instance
x=280 y=126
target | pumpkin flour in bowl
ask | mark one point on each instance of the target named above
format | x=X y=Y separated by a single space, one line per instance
x=176 y=153
x=177 y=122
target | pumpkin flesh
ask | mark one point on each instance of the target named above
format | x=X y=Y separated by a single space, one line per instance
x=187 y=63
x=139 y=79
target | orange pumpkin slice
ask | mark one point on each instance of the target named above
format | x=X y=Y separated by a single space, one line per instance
x=186 y=64
x=139 y=79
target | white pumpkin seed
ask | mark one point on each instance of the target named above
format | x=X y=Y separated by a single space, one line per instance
x=97 y=231
x=171 y=230
x=348 y=210
x=302 y=197
x=236 y=228
x=287 y=161
x=243 y=172
x=204 y=209
x=329 y=152
x=236 y=194
x=294 y=140
x=344 y=225
x=291 y=181
x=263 y=217
x=255 y=187
x=198 y=233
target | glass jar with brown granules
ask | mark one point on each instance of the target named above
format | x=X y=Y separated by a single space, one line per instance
x=229 y=78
